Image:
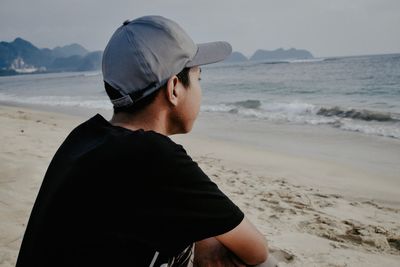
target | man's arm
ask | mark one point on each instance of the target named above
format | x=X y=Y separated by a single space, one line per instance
x=210 y=252
x=246 y=242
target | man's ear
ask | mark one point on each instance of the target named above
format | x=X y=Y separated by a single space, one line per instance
x=172 y=91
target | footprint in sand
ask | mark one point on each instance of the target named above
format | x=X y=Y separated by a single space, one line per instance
x=281 y=255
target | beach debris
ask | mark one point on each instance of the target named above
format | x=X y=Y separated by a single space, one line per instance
x=394 y=242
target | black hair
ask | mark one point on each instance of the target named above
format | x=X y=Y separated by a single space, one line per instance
x=183 y=76
x=113 y=93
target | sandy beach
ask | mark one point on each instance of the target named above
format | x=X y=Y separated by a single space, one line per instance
x=320 y=200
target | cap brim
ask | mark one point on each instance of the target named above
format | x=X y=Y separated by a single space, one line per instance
x=208 y=53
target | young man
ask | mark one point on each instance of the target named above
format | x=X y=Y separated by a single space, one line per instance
x=120 y=192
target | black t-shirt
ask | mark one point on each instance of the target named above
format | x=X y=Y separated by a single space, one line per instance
x=113 y=197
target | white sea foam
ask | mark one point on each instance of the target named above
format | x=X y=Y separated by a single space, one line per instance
x=66 y=101
x=295 y=108
x=371 y=128
x=216 y=108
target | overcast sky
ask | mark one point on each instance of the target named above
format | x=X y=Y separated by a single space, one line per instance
x=324 y=27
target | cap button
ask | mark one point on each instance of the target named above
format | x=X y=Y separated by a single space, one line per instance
x=126 y=22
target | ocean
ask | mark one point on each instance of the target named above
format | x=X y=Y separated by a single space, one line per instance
x=359 y=94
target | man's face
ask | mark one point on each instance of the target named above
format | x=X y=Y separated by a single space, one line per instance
x=192 y=99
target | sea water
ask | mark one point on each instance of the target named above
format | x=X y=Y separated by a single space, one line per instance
x=359 y=94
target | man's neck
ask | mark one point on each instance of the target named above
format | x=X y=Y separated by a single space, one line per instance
x=148 y=121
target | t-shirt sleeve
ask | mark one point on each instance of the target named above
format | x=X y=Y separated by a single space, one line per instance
x=194 y=206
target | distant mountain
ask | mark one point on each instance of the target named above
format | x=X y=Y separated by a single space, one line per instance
x=21 y=56
x=236 y=57
x=69 y=50
x=281 y=54
x=91 y=61
x=275 y=55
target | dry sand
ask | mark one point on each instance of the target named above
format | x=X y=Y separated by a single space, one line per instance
x=305 y=222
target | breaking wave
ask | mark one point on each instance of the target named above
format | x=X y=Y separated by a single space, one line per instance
x=365 y=121
x=366 y=115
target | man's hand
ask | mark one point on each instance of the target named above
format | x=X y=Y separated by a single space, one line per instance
x=210 y=252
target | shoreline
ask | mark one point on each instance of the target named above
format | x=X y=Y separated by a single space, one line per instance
x=310 y=216
x=360 y=166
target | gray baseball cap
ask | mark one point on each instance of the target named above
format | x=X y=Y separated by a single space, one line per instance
x=144 y=53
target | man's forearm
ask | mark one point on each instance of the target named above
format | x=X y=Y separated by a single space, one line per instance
x=211 y=253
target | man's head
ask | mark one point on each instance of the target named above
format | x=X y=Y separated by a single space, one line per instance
x=113 y=93
x=150 y=53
